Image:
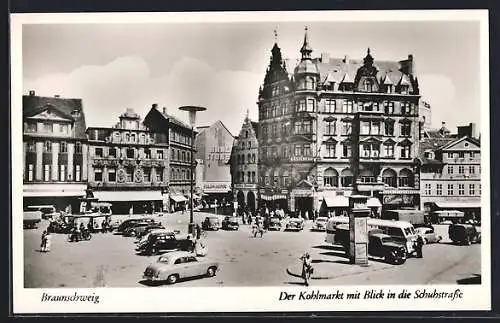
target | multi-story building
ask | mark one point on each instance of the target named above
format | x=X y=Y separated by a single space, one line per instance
x=244 y=162
x=450 y=169
x=213 y=146
x=180 y=136
x=54 y=151
x=306 y=130
x=128 y=165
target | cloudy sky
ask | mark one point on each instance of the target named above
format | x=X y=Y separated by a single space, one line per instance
x=222 y=65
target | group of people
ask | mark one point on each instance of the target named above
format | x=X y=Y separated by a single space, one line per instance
x=196 y=243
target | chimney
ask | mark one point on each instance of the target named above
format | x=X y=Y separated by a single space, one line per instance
x=443 y=124
x=473 y=133
x=32 y=93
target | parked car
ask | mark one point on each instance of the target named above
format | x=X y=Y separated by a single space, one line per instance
x=130 y=222
x=162 y=242
x=179 y=265
x=295 y=224
x=140 y=227
x=145 y=237
x=274 y=224
x=320 y=224
x=428 y=234
x=384 y=246
x=211 y=223
x=150 y=228
x=230 y=223
x=464 y=234
x=58 y=226
x=31 y=219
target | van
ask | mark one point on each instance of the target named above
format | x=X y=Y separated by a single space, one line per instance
x=48 y=211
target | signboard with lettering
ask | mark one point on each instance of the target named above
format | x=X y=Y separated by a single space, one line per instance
x=216 y=187
x=399 y=199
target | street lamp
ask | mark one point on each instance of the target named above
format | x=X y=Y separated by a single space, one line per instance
x=192 y=122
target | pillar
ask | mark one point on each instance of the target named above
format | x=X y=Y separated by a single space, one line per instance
x=71 y=151
x=85 y=158
x=55 y=161
x=358 y=229
x=39 y=161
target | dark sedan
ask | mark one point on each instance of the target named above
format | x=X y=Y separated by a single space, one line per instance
x=230 y=223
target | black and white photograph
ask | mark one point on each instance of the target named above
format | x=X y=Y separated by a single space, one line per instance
x=251 y=161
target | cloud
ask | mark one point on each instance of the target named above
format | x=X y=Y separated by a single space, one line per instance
x=126 y=82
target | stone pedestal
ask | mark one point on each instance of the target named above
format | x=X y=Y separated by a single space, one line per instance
x=358 y=228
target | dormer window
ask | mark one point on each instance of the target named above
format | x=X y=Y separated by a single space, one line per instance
x=404 y=89
x=368 y=85
x=389 y=88
x=75 y=113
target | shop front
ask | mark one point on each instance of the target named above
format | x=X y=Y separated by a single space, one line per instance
x=64 y=197
x=471 y=209
x=217 y=194
x=132 y=202
x=334 y=205
x=302 y=200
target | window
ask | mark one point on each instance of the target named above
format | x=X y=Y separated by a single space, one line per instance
x=48 y=147
x=405 y=151
x=77 y=172
x=375 y=129
x=253 y=177
x=389 y=108
x=450 y=169
x=147 y=174
x=98 y=152
x=130 y=172
x=46 y=172
x=330 y=150
x=249 y=145
x=63 y=128
x=368 y=85
x=346 y=150
x=98 y=175
x=331 y=178
x=31 y=127
x=307 y=150
x=427 y=189
x=62 y=172
x=450 y=189
x=127 y=137
x=330 y=128
x=130 y=153
x=472 y=154
x=346 y=128
x=48 y=127
x=450 y=155
x=471 y=169
x=347 y=106
x=111 y=175
x=301 y=105
x=404 y=89
x=472 y=190
x=479 y=189
x=147 y=153
x=405 y=108
x=439 y=189
x=298 y=150
x=243 y=159
x=365 y=127
x=461 y=154
x=159 y=174
x=173 y=154
x=63 y=147
x=461 y=169
x=461 y=189
x=183 y=174
x=330 y=105
x=183 y=156
x=31 y=146
x=30 y=172
x=78 y=147
x=112 y=152
x=389 y=150
x=406 y=129
x=389 y=128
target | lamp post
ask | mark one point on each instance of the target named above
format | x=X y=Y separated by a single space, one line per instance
x=192 y=122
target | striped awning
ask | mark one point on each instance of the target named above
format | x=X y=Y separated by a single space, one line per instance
x=125 y=196
x=273 y=197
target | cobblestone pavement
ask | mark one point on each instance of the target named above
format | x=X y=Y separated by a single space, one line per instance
x=110 y=260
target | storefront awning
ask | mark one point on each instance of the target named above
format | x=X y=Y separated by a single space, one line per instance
x=458 y=204
x=336 y=201
x=450 y=214
x=373 y=202
x=124 y=196
x=178 y=198
x=273 y=197
x=53 y=190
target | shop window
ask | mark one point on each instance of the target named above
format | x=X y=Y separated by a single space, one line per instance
x=31 y=168
x=98 y=175
x=77 y=173
x=46 y=172
x=62 y=172
x=111 y=175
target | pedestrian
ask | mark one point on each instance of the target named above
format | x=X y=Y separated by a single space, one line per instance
x=418 y=246
x=43 y=242
x=307 y=269
x=48 y=242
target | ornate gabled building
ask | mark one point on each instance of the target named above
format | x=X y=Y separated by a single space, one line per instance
x=311 y=121
x=54 y=151
x=128 y=165
x=244 y=166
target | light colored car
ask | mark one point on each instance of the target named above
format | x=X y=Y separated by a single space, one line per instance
x=320 y=223
x=180 y=264
x=428 y=234
x=295 y=224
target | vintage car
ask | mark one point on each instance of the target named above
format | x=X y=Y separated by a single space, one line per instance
x=274 y=224
x=140 y=227
x=428 y=234
x=464 y=234
x=31 y=219
x=143 y=239
x=48 y=211
x=131 y=222
x=320 y=224
x=179 y=265
x=295 y=224
x=384 y=246
x=230 y=223
x=211 y=223
x=162 y=242
x=58 y=226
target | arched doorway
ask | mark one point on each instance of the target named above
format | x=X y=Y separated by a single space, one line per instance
x=251 y=201
x=240 y=197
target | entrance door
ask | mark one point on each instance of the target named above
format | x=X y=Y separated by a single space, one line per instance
x=240 y=197
x=251 y=201
x=303 y=205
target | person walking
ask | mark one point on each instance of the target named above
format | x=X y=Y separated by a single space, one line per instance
x=48 y=242
x=43 y=242
x=306 y=268
x=418 y=246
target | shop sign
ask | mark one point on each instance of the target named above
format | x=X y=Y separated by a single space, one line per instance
x=217 y=187
x=302 y=192
x=399 y=199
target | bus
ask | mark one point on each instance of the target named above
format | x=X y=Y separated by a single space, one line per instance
x=402 y=231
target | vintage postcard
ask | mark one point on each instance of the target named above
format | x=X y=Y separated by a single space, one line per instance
x=250 y=161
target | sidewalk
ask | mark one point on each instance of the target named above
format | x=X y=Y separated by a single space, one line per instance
x=330 y=262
